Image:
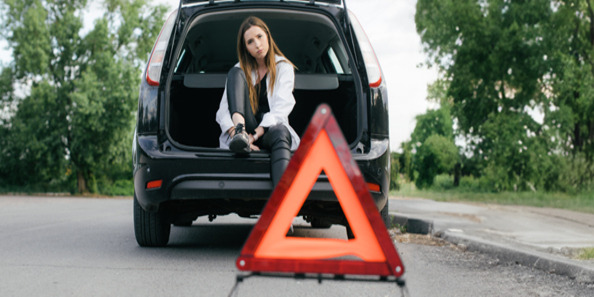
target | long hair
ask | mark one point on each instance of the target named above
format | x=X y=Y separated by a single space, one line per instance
x=248 y=63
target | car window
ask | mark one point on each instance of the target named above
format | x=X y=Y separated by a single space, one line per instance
x=181 y=59
x=335 y=62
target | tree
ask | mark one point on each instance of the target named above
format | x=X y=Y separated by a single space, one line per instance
x=520 y=74
x=78 y=113
x=394 y=171
x=433 y=140
x=432 y=122
x=405 y=161
x=436 y=155
x=571 y=109
x=513 y=159
x=490 y=52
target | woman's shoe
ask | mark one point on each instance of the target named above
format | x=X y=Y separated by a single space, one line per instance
x=240 y=142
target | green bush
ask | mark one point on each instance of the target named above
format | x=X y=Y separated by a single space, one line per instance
x=436 y=155
x=470 y=184
x=443 y=182
x=121 y=187
x=394 y=171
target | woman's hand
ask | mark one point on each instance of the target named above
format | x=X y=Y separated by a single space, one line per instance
x=259 y=132
x=252 y=145
x=231 y=131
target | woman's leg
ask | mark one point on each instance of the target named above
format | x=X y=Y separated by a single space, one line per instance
x=239 y=100
x=278 y=141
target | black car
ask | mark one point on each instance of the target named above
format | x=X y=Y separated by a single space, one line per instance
x=180 y=173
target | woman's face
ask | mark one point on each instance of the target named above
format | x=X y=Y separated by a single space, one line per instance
x=256 y=42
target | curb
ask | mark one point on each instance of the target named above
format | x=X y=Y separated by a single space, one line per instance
x=412 y=225
x=530 y=258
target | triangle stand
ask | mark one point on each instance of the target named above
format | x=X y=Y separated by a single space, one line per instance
x=240 y=278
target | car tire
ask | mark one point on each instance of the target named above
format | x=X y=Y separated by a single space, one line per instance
x=385 y=213
x=151 y=229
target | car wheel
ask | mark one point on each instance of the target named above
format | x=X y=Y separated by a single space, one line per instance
x=152 y=229
x=385 y=213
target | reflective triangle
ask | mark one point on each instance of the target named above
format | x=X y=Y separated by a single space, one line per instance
x=268 y=249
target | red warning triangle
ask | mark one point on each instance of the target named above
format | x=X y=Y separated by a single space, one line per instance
x=268 y=249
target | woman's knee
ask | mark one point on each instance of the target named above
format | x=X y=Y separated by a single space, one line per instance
x=236 y=75
x=280 y=133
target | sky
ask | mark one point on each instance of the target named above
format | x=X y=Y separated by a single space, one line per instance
x=390 y=27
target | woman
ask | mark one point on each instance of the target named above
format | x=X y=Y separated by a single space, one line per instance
x=258 y=98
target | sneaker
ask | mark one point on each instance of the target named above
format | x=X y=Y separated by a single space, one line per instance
x=240 y=142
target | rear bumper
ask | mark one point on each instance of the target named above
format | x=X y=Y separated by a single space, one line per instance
x=254 y=187
x=219 y=175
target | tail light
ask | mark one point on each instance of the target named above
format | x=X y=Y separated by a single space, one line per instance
x=373 y=187
x=155 y=184
x=372 y=67
x=153 y=72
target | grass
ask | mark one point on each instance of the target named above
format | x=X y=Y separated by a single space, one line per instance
x=117 y=188
x=583 y=202
x=31 y=190
x=122 y=187
x=586 y=254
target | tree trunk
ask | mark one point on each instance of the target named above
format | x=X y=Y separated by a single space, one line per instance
x=82 y=183
x=457 y=174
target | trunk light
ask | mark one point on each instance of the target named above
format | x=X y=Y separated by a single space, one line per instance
x=153 y=72
x=372 y=67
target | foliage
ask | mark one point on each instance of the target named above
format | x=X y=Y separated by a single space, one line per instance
x=406 y=162
x=120 y=187
x=514 y=159
x=75 y=121
x=394 y=171
x=586 y=254
x=6 y=94
x=436 y=155
x=432 y=122
x=432 y=140
x=518 y=79
x=572 y=78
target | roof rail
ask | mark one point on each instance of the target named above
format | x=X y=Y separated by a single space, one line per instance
x=212 y=2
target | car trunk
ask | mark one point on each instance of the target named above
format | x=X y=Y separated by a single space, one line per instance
x=310 y=40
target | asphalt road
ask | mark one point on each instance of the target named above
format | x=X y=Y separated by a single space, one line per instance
x=86 y=247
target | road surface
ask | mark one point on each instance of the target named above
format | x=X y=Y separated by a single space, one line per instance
x=55 y=246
